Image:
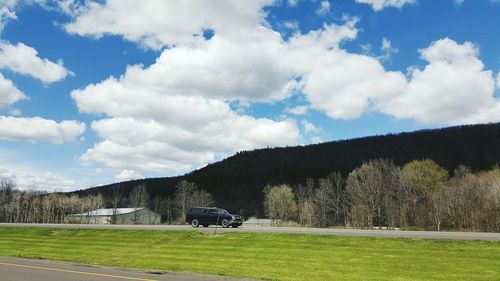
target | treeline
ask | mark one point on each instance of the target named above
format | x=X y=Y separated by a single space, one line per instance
x=32 y=206
x=237 y=182
x=421 y=194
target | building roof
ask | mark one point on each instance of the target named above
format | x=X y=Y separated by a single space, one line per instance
x=108 y=212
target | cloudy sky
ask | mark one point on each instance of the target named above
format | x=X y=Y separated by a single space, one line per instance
x=94 y=92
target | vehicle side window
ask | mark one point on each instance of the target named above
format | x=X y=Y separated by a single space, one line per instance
x=196 y=210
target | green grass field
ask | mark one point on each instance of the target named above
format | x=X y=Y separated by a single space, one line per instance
x=262 y=256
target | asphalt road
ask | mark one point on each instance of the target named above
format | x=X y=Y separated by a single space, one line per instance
x=14 y=269
x=298 y=230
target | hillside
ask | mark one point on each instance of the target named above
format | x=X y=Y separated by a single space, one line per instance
x=237 y=181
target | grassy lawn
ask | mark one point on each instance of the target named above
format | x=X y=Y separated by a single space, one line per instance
x=263 y=256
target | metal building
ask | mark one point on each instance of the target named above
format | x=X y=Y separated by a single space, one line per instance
x=116 y=216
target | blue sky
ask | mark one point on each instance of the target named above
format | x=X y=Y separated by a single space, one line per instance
x=94 y=92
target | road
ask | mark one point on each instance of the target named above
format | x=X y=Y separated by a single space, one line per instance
x=297 y=230
x=15 y=269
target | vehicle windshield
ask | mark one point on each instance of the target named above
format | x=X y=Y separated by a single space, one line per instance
x=224 y=212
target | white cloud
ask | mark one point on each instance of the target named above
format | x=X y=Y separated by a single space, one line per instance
x=324 y=8
x=39 y=129
x=387 y=50
x=156 y=24
x=38 y=180
x=293 y=26
x=292 y=3
x=378 y=5
x=310 y=127
x=9 y=94
x=316 y=139
x=458 y=2
x=346 y=86
x=25 y=60
x=341 y=84
x=125 y=175
x=172 y=133
x=179 y=106
x=7 y=12
x=180 y=124
x=498 y=81
x=218 y=69
x=69 y=7
x=5 y=15
x=298 y=110
x=15 y=112
x=453 y=88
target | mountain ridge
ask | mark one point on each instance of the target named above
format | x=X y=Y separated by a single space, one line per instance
x=237 y=181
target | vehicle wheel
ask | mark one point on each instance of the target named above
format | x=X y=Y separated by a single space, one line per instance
x=234 y=226
x=225 y=223
x=195 y=223
x=205 y=225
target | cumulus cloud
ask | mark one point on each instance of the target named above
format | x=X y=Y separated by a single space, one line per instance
x=293 y=26
x=5 y=15
x=9 y=94
x=38 y=180
x=7 y=12
x=298 y=110
x=172 y=133
x=342 y=84
x=15 y=112
x=218 y=69
x=324 y=8
x=179 y=106
x=39 y=129
x=25 y=60
x=125 y=175
x=310 y=127
x=387 y=50
x=453 y=88
x=156 y=24
x=378 y=5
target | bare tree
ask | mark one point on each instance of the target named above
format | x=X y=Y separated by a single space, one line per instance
x=372 y=190
x=184 y=197
x=437 y=209
x=364 y=187
x=329 y=198
x=139 y=198
x=202 y=198
x=168 y=209
x=280 y=203
x=305 y=205
x=116 y=197
x=6 y=194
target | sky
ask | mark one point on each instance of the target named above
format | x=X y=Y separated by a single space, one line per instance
x=96 y=92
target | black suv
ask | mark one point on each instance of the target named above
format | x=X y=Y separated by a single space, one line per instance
x=197 y=216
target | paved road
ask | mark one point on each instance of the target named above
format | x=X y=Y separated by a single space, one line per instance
x=299 y=230
x=14 y=269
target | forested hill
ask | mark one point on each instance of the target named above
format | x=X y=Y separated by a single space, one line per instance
x=237 y=181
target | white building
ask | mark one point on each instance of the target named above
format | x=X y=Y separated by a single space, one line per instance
x=116 y=216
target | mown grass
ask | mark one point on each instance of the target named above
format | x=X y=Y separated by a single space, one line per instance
x=262 y=256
